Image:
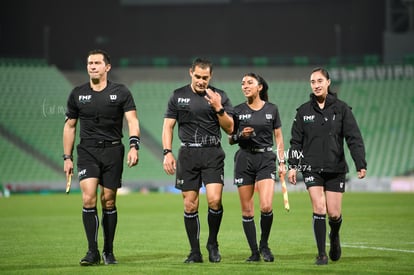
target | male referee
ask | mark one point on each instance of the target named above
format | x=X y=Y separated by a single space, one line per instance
x=100 y=106
x=200 y=111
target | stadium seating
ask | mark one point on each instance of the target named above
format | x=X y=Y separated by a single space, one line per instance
x=384 y=110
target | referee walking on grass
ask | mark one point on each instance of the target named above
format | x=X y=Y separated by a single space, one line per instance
x=317 y=150
x=200 y=111
x=100 y=106
x=257 y=123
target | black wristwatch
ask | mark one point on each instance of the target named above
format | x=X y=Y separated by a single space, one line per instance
x=65 y=157
x=166 y=151
x=134 y=145
x=220 y=112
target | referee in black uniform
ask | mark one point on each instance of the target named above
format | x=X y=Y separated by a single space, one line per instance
x=256 y=121
x=100 y=106
x=200 y=111
x=317 y=150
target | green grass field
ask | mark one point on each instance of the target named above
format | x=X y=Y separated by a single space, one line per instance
x=43 y=234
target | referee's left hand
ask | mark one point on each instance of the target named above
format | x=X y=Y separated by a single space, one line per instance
x=133 y=157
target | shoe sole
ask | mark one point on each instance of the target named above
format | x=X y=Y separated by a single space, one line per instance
x=108 y=263
x=193 y=262
x=214 y=260
x=88 y=263
x=268 y=260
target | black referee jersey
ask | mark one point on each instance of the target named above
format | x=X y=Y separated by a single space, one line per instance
x=100 y=113
x=198 y=122
x=264 y=121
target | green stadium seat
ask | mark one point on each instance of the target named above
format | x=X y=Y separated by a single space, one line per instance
x=260 y=61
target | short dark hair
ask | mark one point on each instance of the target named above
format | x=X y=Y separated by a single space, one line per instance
x=202 y=63
x=263 y=93
x=107 y=58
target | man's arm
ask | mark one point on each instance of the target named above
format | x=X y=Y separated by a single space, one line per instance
x=226 y=122
x=69 y=133
x=167 y=138
x=134 y=131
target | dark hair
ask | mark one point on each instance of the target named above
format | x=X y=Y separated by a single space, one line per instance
x=202 y=63
x=263 y=93
x=107 y=58
x=325 y=73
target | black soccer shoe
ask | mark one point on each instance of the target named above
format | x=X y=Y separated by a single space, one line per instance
x=267 y=254
x=255 y=257
x=194 y=257
x=335 y=249
x=213 y=253
x=321 y=260
x=91 y=258
x=109 y=258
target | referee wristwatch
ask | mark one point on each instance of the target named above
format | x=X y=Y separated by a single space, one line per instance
x=65 y=157
x=220 y=112
x=166 y=151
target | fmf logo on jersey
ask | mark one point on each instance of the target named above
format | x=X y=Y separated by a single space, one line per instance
x=269 y=116
x=308 y=119
x=85 y=98
x=245 y=117
x=182 y=100
x=112 y=97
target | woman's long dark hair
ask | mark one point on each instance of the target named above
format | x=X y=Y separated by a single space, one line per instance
x=263 y=93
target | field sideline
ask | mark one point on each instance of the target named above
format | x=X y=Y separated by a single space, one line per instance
x=43 y=234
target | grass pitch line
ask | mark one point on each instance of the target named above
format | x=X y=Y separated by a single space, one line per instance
x=377 y=248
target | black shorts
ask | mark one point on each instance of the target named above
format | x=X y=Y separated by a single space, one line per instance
x=197 y=166
x=104 y=163
x=250 y=167
x=334 y=182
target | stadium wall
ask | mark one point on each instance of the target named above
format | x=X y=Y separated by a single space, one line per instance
x=63 y=31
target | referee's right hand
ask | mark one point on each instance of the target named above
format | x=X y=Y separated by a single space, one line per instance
x=68 y=167
x=169 y=164
x=292 y=176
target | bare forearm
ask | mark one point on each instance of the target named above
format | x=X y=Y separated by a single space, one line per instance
x=280 y=146
x=133 y=128
x=167 y=133
x=226 y=123
x=69 y=133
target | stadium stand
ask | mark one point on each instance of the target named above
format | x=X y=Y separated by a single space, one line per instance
x=384 y=110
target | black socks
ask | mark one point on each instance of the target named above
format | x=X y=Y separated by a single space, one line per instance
x=249 y=228
x=214 y=220
x=91 y=225
x=266 y=221
x=319 y=229
x=335 y=225
x=109 y=222
x=192 y=226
